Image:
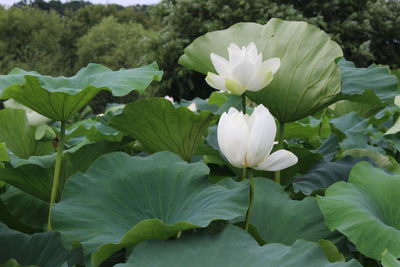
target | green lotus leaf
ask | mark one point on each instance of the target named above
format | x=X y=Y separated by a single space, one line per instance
x=324 y=174
x=41 y=249
x=363 y=210
x=381 y=160
x=14 y=263
x=372 y=85
x=308 y=79
x=27 y=209
x=35 y=174
x=232 y=247
x=159 y=126
x=59 y=98
x=388 y=260
x=19 y=136
x=123 y=200
x=278 y=219
x=8 y=219
x=3 y=152
x=93 y=130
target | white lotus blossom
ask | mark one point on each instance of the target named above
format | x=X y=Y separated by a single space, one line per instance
x=243 y=71
x=247 y=141
x=33 y=117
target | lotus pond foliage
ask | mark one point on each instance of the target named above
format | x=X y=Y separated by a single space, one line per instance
x=292 y=161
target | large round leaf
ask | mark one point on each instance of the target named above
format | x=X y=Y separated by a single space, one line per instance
x=59 y=98
x=233 y=247
x=366 y=210
x=41 y=249
x=308 y=78
x=123 y=200
x=279 y=219
x=159 y=126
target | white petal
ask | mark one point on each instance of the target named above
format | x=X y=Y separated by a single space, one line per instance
x=216 y=81
x=278 y=160
x=35 y=118
x=234 y=52
x=262 y=136
x=273 y=64
x=252 y=52
x=260 y=80
x=233 y=135
x=244 y=71
x=169 y=98
x=192 y=107
x=220 y=64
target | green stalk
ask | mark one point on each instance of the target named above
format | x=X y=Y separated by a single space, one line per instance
x=244 y=103
x=251 y=197
x=244 y=174
x=57 y=173
x=280 y=146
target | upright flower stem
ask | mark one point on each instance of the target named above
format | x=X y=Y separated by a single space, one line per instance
x=244 y=103
x=251 y=197
x=244 y=174
x=57 y=172
x=280 y=146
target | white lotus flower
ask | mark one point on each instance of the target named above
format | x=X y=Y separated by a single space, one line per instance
x=34 y=118
x=245 y=70
x=247 y=141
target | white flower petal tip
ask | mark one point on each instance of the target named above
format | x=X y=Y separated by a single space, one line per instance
x=277 y=161
x=192 y=107
x=243 y=70
x=169 y=98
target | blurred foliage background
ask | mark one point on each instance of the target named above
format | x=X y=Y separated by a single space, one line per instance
x=60 y=38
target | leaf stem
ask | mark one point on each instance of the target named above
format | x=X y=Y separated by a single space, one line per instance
x=280 y=146
x=251 y=197
x=244 y=103
x=57 y=172
x=244 y=174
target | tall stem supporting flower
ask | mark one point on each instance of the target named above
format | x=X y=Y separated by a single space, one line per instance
x=251 y=197
x=57 y=173
x=244 y=103
x=280 y=146
x=244 y=174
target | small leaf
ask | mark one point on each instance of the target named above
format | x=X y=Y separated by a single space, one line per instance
x=388 y=260
x=331 y=251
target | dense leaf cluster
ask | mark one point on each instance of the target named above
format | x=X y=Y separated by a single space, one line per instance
x=81 y=33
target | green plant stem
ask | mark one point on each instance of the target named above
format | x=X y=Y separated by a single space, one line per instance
x=280 y=146
x=244 y=103
x=251 y=197
x=57 y=173
x=244 y=174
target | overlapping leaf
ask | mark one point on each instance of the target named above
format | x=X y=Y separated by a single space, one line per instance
x=279 y=219
x=124 y=200
x=159 y=126
x=19 y=136
x=365 y=207
x=41 y=249
x=233 y=247
x=61 y=97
